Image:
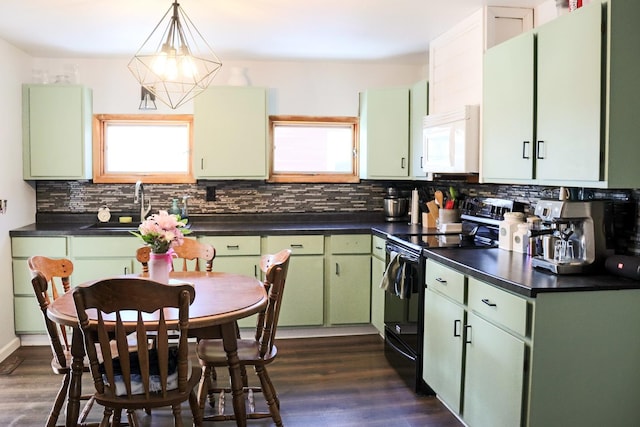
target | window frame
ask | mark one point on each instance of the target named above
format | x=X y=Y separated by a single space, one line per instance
x=353 y=177
x=100 y=176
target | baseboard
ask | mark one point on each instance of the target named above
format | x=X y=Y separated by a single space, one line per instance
x=303 y=332
x=11 y=346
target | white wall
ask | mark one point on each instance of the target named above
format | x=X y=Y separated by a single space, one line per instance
x=20 y=196
x=300 y=88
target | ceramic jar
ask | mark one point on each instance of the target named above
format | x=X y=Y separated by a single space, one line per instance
x=508 y=227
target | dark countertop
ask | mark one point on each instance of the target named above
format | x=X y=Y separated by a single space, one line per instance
x=513 y=271
x=240 y=224
x=508 y=270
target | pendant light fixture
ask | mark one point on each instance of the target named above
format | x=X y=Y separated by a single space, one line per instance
x=175 y=63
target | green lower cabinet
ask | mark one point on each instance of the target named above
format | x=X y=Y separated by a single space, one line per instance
x=99 y=257
x=238 y=255
x=443 y=348
x=494 y=376
x=349 y=289
x=27 y=314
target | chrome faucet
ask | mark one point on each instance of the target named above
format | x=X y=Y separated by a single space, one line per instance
x=138 y=197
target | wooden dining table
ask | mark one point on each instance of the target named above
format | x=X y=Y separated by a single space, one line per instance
x=221 y=299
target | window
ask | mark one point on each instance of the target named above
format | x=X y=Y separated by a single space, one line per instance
x=155 y=148
x=313 y=149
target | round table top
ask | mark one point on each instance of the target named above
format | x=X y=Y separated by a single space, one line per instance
x=220 y=298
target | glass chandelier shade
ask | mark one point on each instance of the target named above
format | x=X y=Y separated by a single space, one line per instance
x=175 y=63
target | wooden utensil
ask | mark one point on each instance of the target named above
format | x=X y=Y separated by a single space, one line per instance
x=439 y=198
x=433 y=213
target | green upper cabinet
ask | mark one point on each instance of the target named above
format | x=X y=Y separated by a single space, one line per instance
x=230 y=133
x=568 y=97
x=508 y=110
x=582 y=132
x=56 y=132
x=384 y=133
x=419 y=100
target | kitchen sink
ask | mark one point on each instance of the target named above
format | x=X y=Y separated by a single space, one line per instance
x=125 y=226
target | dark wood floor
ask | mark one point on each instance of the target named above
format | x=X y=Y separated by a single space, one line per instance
x=337 y=381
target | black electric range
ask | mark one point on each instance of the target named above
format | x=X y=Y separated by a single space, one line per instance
x=404 y=296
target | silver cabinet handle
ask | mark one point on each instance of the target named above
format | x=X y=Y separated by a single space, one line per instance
x=233 y=247
x=337 y=269
x=441 y=280
x=297 y=245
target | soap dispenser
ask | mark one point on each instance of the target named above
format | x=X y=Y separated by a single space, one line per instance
x=175 y=209
x=185 y=212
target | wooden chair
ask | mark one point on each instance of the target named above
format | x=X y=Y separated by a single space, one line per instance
x=137 y=379
x=190 y=250
x=57 y=272
x=257 y=352
x=61 y=362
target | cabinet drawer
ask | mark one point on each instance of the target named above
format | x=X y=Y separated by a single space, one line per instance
x=377 y=247
x=499 y=306
x=299 y=245
x=99 y=247
x=351 y=244
x=445 y=280
x=234 y=245
x=54 y=247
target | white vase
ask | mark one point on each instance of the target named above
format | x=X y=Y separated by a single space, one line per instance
x=159 y=267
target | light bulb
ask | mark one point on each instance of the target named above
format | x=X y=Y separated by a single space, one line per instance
x=189 y=69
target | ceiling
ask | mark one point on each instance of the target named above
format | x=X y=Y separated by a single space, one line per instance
x=360 y=30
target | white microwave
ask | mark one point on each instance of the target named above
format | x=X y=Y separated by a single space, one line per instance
x=451 y=141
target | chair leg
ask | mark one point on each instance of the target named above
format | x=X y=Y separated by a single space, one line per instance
x=87 y=408
x=177 y=416
x=195 y=409
x=132 y=418
x=204 y=387
x=269 y=394
x=57 y=404
x=106 y=417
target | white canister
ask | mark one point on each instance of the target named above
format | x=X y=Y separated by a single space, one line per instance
x=521 y=239
x=508 y=226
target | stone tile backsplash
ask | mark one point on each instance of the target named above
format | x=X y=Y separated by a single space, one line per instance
x=253 y=197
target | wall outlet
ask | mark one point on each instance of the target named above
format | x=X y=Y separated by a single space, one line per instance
x=211 y=194
x=3 y=206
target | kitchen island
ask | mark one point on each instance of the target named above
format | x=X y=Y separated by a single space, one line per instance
x=506 y=344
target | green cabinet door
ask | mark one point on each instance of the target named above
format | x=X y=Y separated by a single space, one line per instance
x=230 y=133
x=303 y=299
x=99 y=257
x=494 y=376
x=419 y=101
x=442 y=348
x=377 y=294
x=508 y=111
x=569 y=103
x=56 y=132
x=349 y=289
x=384 y=133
